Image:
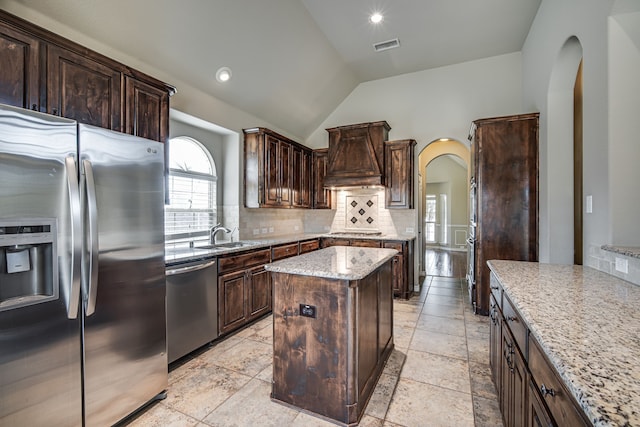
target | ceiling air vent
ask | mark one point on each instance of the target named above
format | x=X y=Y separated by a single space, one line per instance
x=389 y=44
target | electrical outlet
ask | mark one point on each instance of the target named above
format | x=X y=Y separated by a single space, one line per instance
x=270 y=229
x=622 y=265
x=264 y=230
x=409 y=230
x=256 y=231
x=307 y=310
x=296 y=227
x=326 y=228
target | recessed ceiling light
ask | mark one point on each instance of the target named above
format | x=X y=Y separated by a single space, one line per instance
x=223 y=74
x=376 y=18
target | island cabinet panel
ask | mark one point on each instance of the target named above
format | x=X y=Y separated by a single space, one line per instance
x=20 y=77
x=329 y=363
x=307 y=372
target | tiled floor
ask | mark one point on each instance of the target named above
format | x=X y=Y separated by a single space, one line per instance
x=438 y=374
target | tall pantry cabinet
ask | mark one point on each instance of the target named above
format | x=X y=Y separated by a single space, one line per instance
x=504 y=198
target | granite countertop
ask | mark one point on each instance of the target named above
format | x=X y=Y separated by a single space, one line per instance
x=179 y=255
x=336 y=262
x=588 y=324
x=369 y=236
x=631 y=251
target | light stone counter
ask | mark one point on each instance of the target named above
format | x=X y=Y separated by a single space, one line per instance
x=336 y=262
x=630 y=251
x=588 y=324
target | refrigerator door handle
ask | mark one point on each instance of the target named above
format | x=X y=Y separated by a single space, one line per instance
x=91 y=264
x=76 y=237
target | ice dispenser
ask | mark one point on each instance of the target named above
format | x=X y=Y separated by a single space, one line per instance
x=28 y=262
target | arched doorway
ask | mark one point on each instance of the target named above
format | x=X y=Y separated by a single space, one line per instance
x=561 y=227
x=443 y=207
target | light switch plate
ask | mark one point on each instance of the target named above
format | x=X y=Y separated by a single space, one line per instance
x=589 y=204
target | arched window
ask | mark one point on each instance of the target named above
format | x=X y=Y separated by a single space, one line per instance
x=192 y=190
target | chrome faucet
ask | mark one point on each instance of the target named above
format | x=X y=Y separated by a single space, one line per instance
x=214 y=230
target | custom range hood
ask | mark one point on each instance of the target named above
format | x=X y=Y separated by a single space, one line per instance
x=356 y=155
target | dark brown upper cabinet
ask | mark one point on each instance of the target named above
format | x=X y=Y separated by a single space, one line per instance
x=356 y=154
x=301 y=197
x=45 y=72
x=19 y=80
x=321 y=194
x=82 y=89
x=399 y=174
x=146 y=110
x=277 y=171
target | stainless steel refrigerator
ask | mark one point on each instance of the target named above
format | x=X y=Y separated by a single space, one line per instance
x=82 y=276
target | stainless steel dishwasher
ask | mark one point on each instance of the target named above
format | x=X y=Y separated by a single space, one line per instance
x=192 y=306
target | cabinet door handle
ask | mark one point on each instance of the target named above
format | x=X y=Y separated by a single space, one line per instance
x=547 y=391
x=495 y=288
x=512 y=319
x=54 y=112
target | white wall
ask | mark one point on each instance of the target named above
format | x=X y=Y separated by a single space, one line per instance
x=610 y=107
x=432 y=104
x=624 y=111
x=435 y=103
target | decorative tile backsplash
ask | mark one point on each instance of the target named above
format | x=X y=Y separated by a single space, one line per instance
x=362 y=212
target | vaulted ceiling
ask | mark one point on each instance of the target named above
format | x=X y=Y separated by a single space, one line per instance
x=294 y=61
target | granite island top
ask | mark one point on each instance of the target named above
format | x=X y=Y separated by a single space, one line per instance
x=335 y=262
x=588 y=324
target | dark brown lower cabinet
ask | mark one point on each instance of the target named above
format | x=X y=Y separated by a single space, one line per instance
x=259 y=298
x=244 y=289
x=529 y=390
x=329 y=363
x=495 y=343
x=513 y=382
x=537 y=413
x=402 y=265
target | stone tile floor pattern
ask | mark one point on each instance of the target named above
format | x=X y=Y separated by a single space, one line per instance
x=438 y=374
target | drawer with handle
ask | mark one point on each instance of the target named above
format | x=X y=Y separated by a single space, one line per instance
x=284 y=251
x=517 y=327
x=561 y=405
x=496 y=289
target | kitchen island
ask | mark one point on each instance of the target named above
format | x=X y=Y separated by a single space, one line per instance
x=576 y=329
x=332 y=329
